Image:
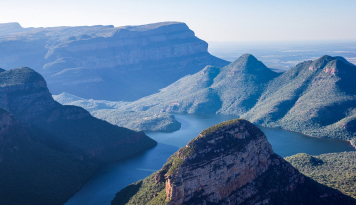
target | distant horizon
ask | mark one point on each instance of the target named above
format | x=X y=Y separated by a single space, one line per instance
x=226 y=20
x=213 y=41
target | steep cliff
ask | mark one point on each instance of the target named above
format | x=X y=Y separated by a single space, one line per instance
x=106 y=62
x=229 y=163
x=23 y=92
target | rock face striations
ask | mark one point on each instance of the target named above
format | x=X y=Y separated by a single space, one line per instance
x=49 y=151
x=229 y=163
x=106 y=62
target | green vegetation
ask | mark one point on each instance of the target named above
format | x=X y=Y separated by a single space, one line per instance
x=142 y=192
x=219 y=126
x=336 y=170
x=146 y=121
x=310 y=100
x=177 y=159
x=19 y=76
x=288 y=185
x=316 y=98
x=110 y=112
x=233 y=89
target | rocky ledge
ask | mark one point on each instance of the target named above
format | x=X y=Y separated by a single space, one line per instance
x=229 y=163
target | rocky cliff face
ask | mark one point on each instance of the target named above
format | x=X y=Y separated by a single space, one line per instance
x=106 y=62
x=229 y=163
x=133 y=45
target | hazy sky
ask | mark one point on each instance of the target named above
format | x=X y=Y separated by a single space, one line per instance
x=224 y=20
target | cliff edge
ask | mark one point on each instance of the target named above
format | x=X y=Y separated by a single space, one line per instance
x=229 y=163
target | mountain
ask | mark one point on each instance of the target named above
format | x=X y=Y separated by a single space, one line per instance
x=336 y=170
x=317 y=98
x=229 y=163
x=110 y=111
x=23 y=92
x=233 y=89
x=106 y=62
x=32 y=173
x=49 y=151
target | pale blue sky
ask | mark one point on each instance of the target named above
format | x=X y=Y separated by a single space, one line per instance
x=224 y=20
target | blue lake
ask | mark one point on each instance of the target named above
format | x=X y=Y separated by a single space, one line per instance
x=101 y=189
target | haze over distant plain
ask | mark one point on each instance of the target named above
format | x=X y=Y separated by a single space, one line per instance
x=226 y=20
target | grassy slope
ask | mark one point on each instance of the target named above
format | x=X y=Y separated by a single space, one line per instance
x=336 y=170
x=230 y=90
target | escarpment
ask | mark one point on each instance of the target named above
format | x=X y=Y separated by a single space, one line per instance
x=107 y=62
x=229 y=163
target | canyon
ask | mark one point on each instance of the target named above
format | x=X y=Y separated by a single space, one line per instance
x=228 y=163
x=106 y=62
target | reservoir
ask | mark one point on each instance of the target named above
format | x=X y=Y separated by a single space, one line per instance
x=111 y=178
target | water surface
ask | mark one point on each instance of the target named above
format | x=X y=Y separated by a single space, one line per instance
x=113 y=177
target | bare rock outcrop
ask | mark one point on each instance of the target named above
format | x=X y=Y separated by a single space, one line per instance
x=229 y=163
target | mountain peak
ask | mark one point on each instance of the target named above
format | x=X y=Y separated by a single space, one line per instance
x=247 y=62
x=247 y=58
x=320 y=62
x=331 y=65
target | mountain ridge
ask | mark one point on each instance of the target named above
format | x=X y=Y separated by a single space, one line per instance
x=316 y=98
x=232 y=89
